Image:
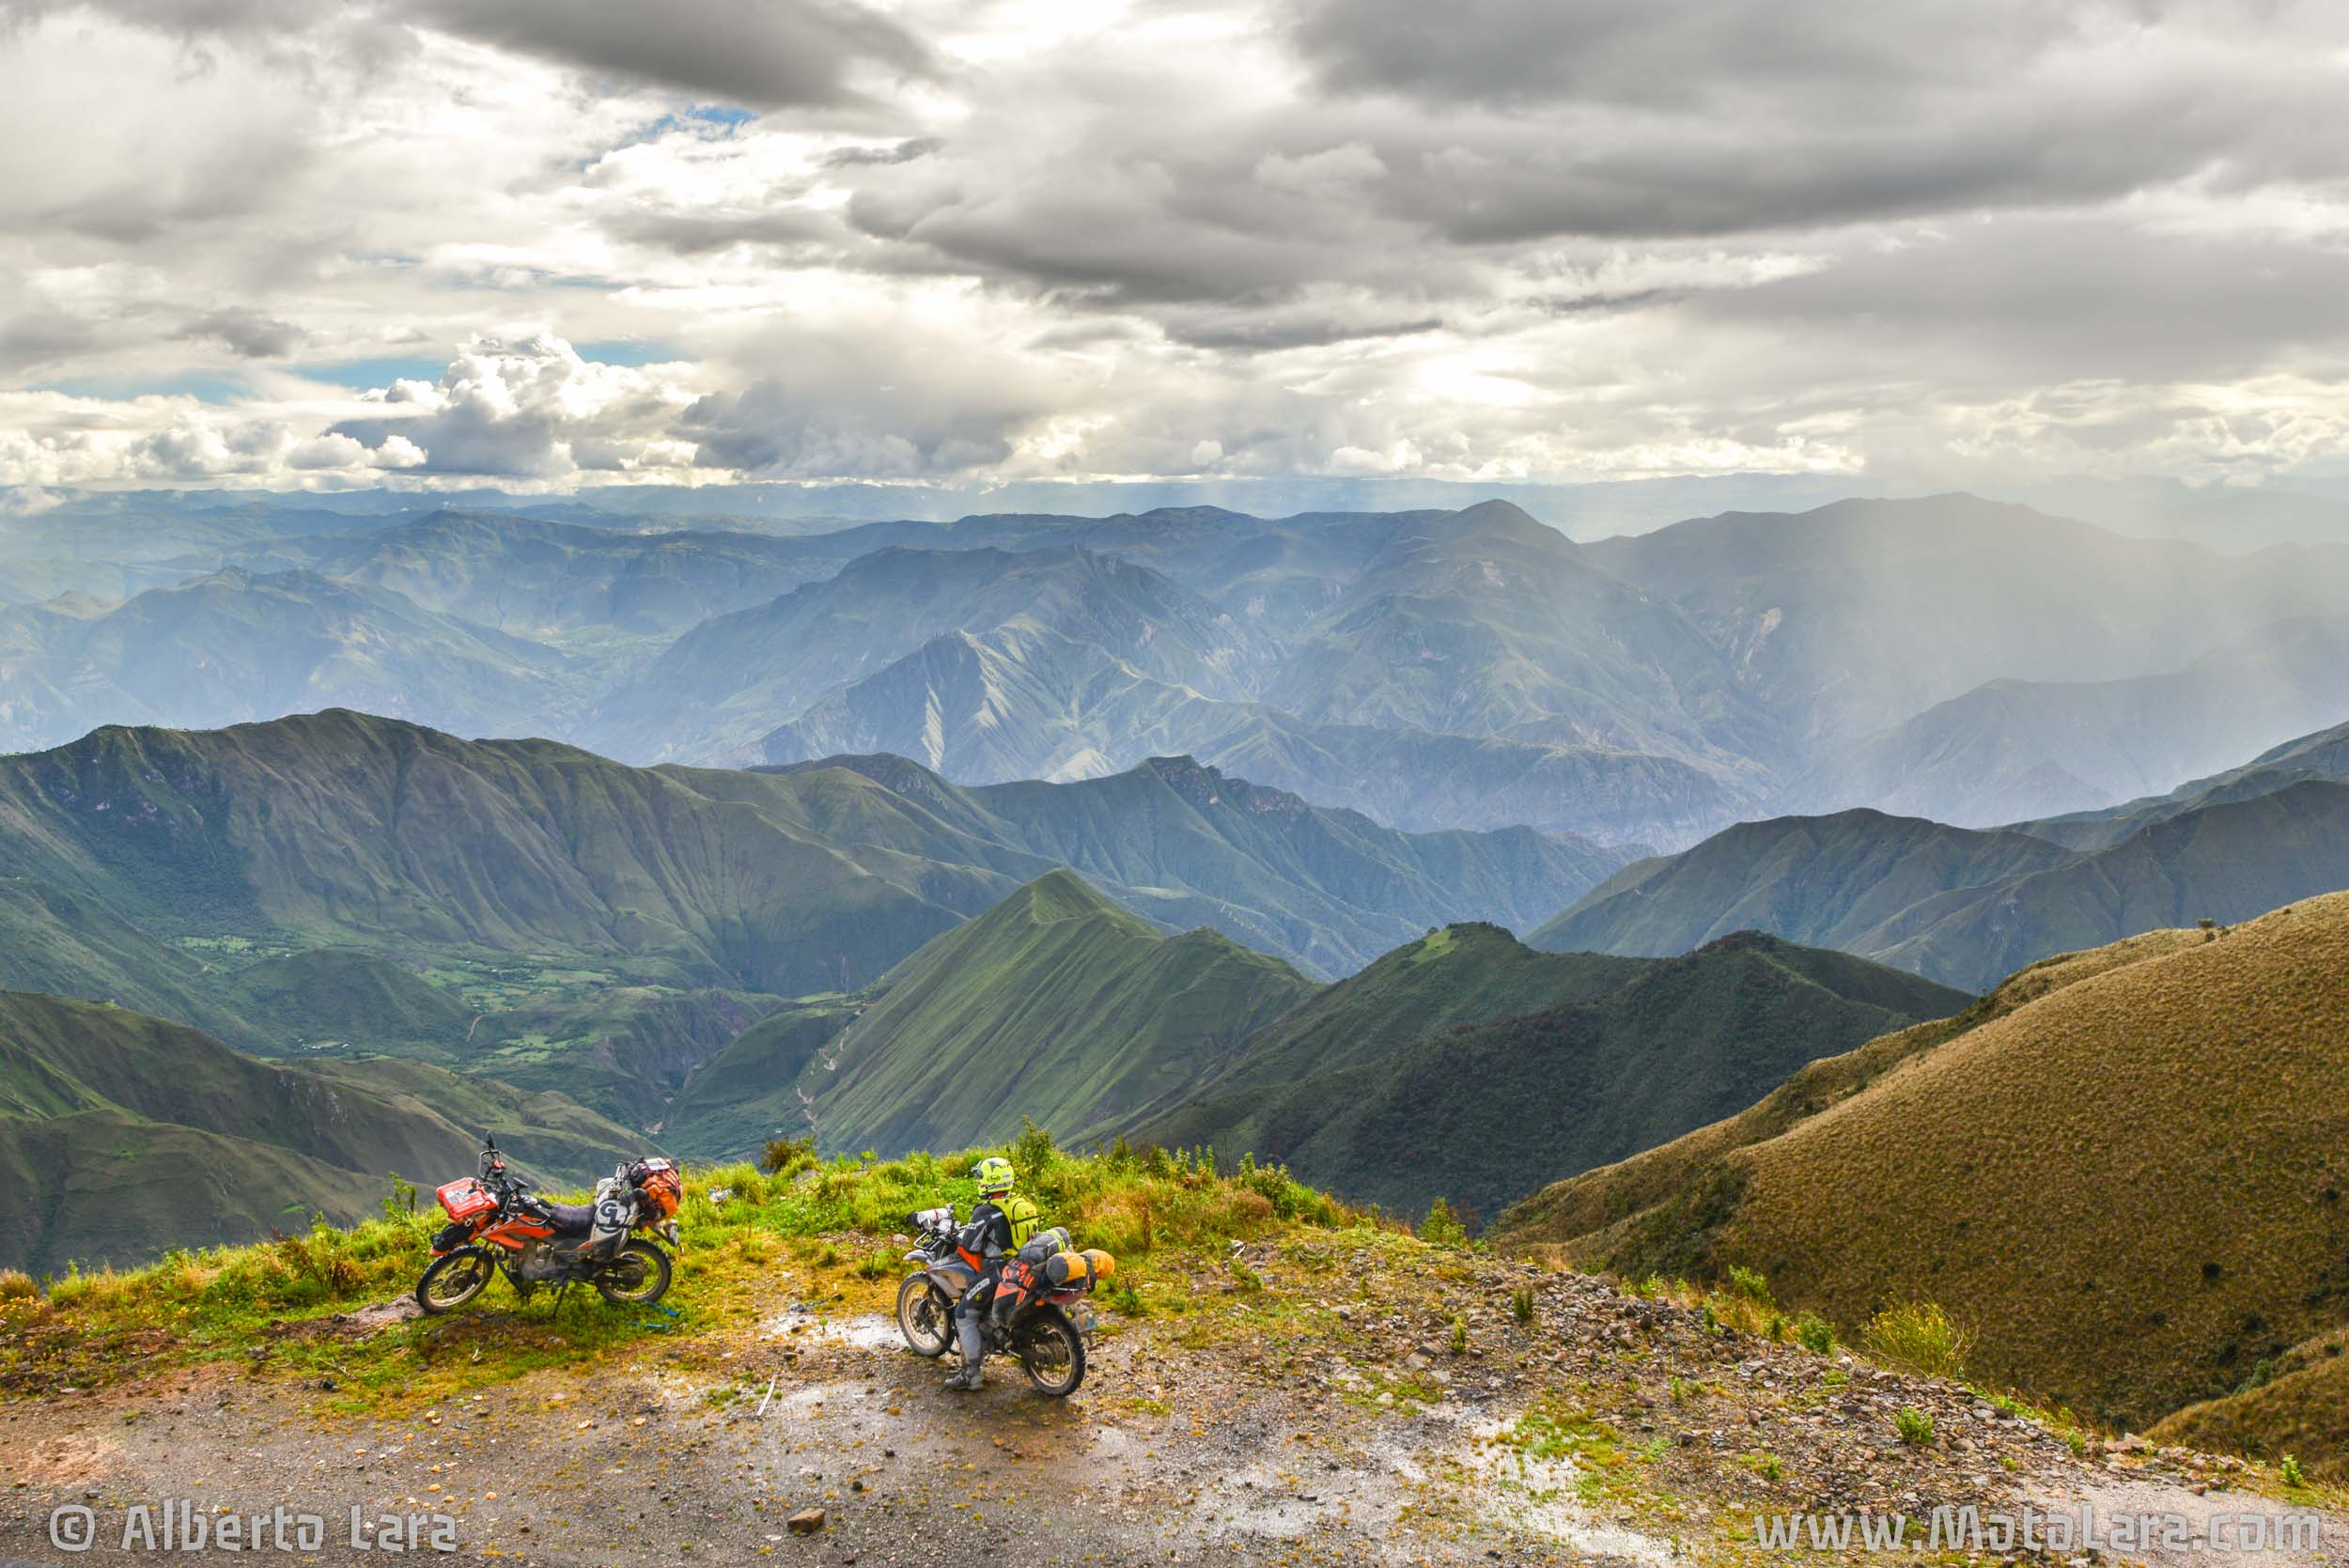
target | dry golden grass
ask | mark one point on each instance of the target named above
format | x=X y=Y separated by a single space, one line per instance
x=1587 y=1214
x=2130 y=1186
x=2304 y=1412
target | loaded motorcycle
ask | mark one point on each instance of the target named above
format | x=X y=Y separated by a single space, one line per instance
x=496 y=1224
x=1036 y=1317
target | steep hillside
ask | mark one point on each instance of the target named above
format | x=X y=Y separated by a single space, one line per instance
x=2129 y=1182
x=1485 y=1113
x=1459 y=974
x=125 y=1135
x=1054 y=1005
x=236 y=646
x=2018 y=749
x=339 y=829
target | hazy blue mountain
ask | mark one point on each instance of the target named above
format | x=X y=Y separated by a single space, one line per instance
x=2324 y=756
x=1852 y=618
x=2020 y=749
x=1968 y=906
x=724 y=687
x=236 y=646
x=557 y=582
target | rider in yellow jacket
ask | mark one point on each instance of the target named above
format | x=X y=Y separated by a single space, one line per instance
x=999 y=1227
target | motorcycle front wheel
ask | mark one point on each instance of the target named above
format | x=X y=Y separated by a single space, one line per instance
x=922 y=1318
x=637 y=1276
x=452 y=1281
x=1053 y=1352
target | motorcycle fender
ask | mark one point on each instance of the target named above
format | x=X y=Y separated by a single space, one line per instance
x=951 y=1279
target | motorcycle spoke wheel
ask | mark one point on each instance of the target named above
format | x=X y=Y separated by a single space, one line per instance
x=451 y=1281
x=922 y=1319
x=1055 y=1357
x=638 y=1277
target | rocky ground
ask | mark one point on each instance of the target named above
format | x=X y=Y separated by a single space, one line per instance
x=1328 y=1398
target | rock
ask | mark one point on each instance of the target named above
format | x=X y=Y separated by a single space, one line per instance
x=807 y=1521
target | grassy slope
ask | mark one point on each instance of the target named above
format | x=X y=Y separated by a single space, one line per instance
x=138 y=1116
x=1460 y=974
x=2134 y=1178
x=339 y=826
x=1581 y=1209
x=1485 y=1113
x=750 y=1092
x=1055 y=1005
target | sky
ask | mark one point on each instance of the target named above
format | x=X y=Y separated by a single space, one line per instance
x=554 y=243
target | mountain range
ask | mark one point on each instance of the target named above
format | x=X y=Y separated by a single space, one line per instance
x=1945 y=657
x=1462 y=1063
x=602 y=929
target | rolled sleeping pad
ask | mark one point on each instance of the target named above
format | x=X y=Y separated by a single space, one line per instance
x=1044 y=1244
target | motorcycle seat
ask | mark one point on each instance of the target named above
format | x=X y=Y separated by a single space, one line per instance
x=572 y=1218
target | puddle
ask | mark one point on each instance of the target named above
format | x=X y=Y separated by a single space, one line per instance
x=864 y=1331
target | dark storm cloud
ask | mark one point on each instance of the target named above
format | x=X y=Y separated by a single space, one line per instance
x=1673 y=54
x=1510 y=119
x=775 y=53
x=691 y=232
x=246 y=333
x=2060 y=300
x=772 y=54
x=903 y=152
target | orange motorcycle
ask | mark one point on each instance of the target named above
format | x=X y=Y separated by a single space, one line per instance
x=496 y=1224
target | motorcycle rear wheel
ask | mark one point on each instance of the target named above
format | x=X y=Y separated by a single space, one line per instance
x=922 y=1318
x=637 y=1276
x=1053 y=1352
x=452 y=1281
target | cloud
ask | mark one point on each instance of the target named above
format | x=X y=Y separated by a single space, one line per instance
x=247 y=333
x=521 y=408
x=1503 y=238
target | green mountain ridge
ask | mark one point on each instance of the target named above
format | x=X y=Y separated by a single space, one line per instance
x=1485 y=1111
x=1054 y=1005
x=1968 y=906
x=125 y=1134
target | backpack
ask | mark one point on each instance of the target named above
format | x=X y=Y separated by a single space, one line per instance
x=1021 y=1212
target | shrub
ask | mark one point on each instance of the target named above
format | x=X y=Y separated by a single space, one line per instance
x=1751 y=1284
x=1521 y=1305
x=1812 y=1333
x=2290 y=1473
x=1459 y=1336
x=17 y=1285
x=1914 y=1427
x=787 y=1157
x=1920 y=1336
x=1442 y=1228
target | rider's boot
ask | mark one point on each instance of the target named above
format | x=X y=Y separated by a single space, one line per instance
x=967 y=1378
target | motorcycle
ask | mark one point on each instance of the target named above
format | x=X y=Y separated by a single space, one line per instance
x=1037 y=1316
x=496 y=1224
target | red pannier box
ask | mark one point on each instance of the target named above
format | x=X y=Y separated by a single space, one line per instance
x=467 y=1198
